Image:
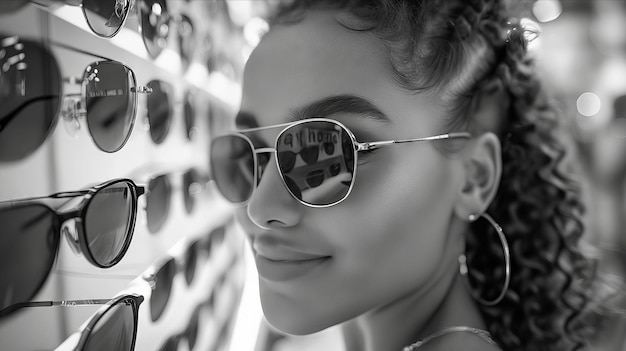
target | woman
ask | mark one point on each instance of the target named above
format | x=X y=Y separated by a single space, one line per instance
x=435 y=106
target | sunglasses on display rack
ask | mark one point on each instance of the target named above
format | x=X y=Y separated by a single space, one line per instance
x=317 y=160
x=113 y=327
x=159 y=109
x=104 y=221
x=159 y=195
x=160 y=276
x=31 y=95
x=189 y=115
x=190 y=334
x=106 y=18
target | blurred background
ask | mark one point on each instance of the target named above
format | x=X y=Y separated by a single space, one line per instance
x=197 y=50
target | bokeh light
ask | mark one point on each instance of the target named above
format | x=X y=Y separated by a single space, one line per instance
x=588 y=104
x=547 y=10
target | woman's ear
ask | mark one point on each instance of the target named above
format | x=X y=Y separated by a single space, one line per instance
x=482 y=168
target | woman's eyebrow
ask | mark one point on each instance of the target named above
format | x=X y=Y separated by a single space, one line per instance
x=345 y=103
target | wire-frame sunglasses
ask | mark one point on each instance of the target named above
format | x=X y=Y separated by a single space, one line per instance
x=317 y=160
x=32 y=98
x=112 y=327
x=104 y=220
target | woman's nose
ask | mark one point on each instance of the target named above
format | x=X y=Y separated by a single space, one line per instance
x=271 y=204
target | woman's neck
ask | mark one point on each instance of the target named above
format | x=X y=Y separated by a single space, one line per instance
x=445 y=302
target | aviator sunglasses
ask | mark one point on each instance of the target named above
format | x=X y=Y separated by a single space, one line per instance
x=31 y=99
x=104 y=220
x=316 y=159
x=113 y=327
x=106 y=18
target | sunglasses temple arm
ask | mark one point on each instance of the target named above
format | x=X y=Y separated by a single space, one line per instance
x=63 y=303
x=376 y=144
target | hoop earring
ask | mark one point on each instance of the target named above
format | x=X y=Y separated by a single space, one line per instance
x=464 y=269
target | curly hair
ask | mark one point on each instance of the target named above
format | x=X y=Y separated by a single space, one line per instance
x=474 y=54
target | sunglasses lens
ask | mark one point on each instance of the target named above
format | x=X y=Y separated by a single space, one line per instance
x=323 y=173
x=109 y=219
x=28 y=246
x=110 y=104
x=190 y=116
x=30 y=90
x=115 y=330
x=191 y=188
x=105 y=17
x=186 y=40
x=155 y=25
x=232 y=164
x=158 y=202
x=159 y=110
x=191 y=260
x=161 y=293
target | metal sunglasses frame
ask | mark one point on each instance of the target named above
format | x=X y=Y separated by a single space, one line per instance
x=357 y=147
x=134 y=300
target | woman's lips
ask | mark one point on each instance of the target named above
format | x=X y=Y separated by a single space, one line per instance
x=278 y=270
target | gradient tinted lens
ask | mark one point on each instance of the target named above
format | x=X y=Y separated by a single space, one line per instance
x=159 y=110
x=232 y=165
x=324 y=174
x=158 y=202
x=155 y=25
x=105 y=17
x=28 y=245
x=162 y=289
x=30 y=91
x=110 y=103
x=115 y=330
x=108 y=223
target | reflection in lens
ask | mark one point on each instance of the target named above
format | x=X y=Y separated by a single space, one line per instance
x=319 y=179
x=115 y=330
x=107 y=223
x=30 y=91
x=158 y=202
x=105 y=17
x=155 y=25
x=109 y=103
x=162 y=289
x=159 y=110
x=28 y=246
x=232 y=165
x=310 y=154
x=315 y=178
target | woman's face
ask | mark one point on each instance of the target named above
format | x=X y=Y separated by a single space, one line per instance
x=322 y=266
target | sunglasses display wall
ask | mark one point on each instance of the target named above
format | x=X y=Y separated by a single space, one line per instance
x=91 y=91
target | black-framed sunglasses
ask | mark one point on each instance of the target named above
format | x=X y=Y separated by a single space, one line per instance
x=160 y=276
x=317 y=160
x=104 y=220
x=159 y=195
x=112 y=327
x=106 y=18
x=31 y=99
